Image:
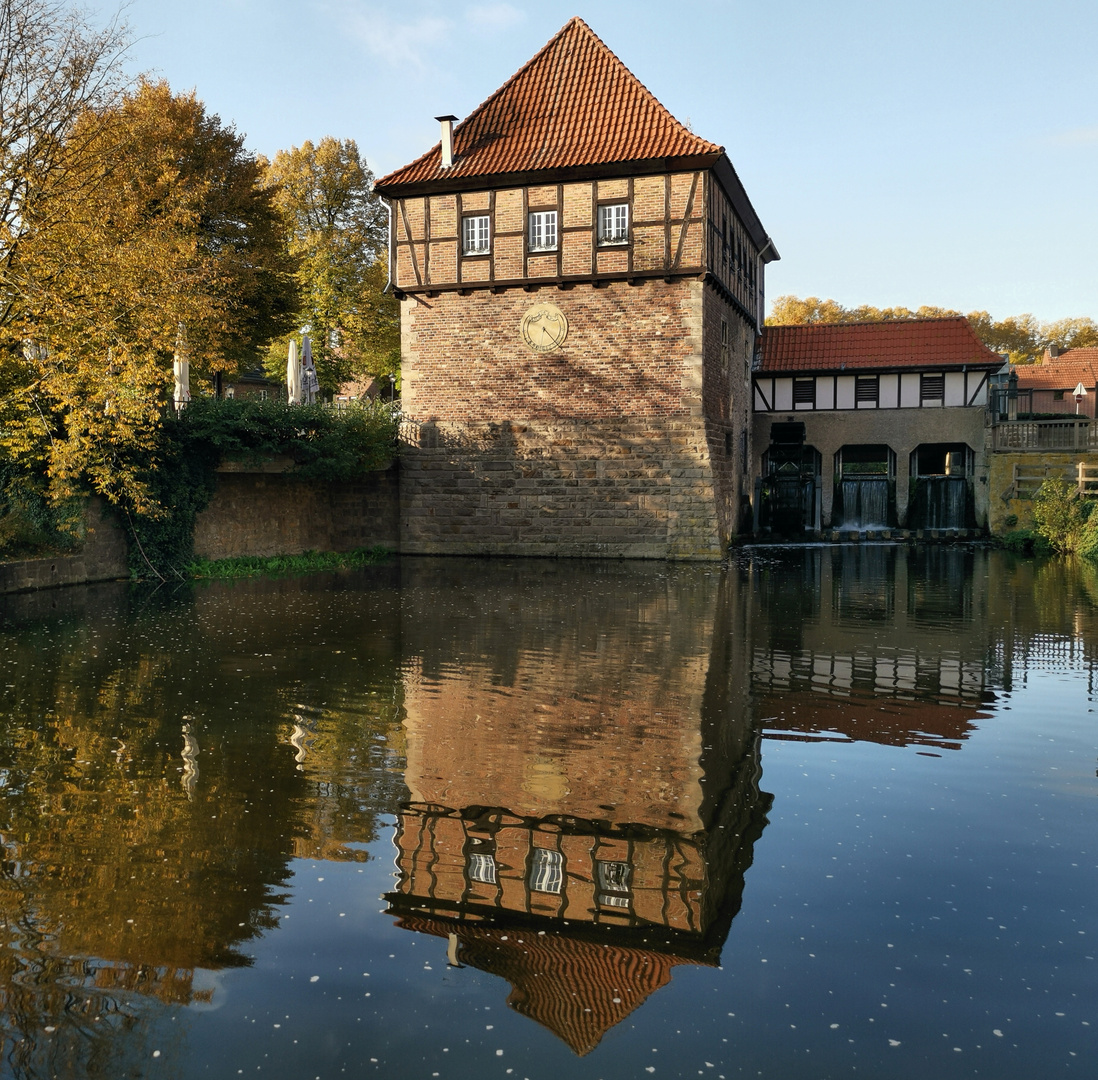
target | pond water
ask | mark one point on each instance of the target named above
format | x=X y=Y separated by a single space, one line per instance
x=824 y=812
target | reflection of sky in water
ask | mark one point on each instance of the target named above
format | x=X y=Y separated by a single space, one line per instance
x=551 y=774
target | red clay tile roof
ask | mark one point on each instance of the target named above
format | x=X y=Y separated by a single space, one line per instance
x=1063 y=372
x=574 y=104
x=880 y=346
x=577 y=989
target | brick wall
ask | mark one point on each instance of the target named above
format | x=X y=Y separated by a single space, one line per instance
x=265 y=513
x=631 y=350
x=623 y=442
x=729 y=344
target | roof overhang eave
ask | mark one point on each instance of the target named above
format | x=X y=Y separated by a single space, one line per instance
x=737 y=194
x=455 y=182
x=876 y=369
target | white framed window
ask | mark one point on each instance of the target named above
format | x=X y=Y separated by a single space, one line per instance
x=546 y=871
x=614 y=224
x=543 y=230
x=613 y=880
x=474 y=235
x=482 y=868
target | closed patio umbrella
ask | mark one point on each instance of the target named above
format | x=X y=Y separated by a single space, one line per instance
x=181 y=369
x=293 y=375
x=310 y=383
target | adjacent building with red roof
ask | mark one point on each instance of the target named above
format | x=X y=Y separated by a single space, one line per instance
x=871 y=426
x=1048 y=387
x=581 y=280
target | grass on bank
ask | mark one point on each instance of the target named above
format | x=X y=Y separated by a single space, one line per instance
x=279 y=565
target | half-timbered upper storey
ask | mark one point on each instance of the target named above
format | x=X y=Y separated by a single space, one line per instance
x=907 y=364
x=573 y=171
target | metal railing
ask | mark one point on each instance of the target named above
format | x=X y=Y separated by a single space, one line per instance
x=1027 y=403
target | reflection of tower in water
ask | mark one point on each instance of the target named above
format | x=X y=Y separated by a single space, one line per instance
x=579 y=823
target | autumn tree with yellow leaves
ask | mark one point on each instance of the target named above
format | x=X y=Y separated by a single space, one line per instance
x=168 y=241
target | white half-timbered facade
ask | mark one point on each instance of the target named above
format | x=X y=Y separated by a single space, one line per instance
x=871 y=426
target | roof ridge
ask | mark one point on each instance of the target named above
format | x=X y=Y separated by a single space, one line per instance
x=870 y=322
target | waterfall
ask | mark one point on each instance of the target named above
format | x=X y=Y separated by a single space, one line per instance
x=865 y=504
x=946 y=502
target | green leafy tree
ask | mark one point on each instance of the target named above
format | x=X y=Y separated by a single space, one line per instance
x=337 y=227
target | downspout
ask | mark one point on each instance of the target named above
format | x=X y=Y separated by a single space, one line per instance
x=389 y=246
x=760 y=290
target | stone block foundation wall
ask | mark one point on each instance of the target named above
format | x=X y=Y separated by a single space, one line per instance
x=1015 y=478
x=264 y=513
x=102 y=558
x=640 y=488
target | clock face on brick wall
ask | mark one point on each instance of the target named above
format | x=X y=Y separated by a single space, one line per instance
x=544 y=327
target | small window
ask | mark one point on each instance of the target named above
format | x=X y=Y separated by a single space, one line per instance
x=613 y=881
x=804 y=392
x=932 y=388
x=543 y=230
x=482 y=868
x=474 y=235
x=866 y=389
x=614 y=224
x=1058 y=395
x=546 y=871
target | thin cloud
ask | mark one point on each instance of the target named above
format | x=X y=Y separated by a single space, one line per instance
x=399 y=43
x=494 y=16
x=1078 y=137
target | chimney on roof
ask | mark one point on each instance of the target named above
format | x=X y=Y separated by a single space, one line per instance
x=447 y=123
x=1052 y=352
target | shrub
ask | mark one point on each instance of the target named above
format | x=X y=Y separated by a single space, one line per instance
x=1060 y=515
x=30 y=524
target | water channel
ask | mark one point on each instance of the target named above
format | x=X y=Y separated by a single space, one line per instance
x=824 y=812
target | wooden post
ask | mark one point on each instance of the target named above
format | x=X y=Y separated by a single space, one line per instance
x=1082 y=479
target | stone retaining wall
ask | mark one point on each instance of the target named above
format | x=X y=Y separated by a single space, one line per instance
x=102 y=558
x=1009 y=499
x=264 y=513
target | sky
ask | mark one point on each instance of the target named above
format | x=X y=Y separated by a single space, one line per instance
x=898 y=152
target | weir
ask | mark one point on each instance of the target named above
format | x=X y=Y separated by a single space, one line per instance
x=946 y=502
x=865 y=503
